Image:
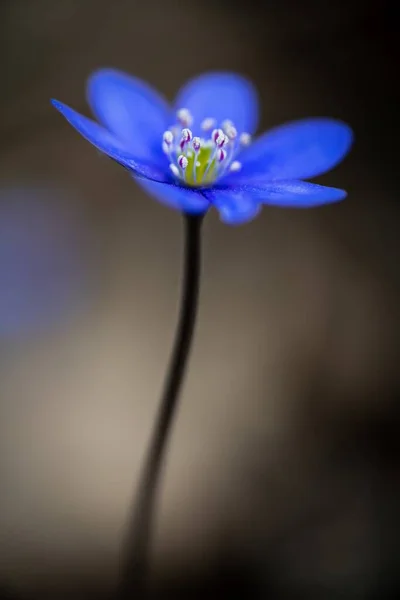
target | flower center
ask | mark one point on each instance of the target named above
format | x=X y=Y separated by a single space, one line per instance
x=200 y=161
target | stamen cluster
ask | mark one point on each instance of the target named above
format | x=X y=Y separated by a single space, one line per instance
x=200 y=161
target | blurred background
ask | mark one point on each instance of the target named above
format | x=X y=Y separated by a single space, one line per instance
x=282 y=479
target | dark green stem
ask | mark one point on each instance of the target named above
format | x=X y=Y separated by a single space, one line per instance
x=135 y=568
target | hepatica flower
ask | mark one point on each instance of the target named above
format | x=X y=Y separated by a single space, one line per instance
x=200 y=152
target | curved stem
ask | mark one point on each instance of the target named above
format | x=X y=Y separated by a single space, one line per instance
x=136 y=564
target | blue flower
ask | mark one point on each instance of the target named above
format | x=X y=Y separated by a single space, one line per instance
x=200 y=152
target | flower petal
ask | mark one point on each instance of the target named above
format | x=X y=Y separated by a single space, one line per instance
x=107 y=143
x=131 y=109
x=290 y=194
x=184 y=199
x=298 y=150
x=235 y=206
x=221 y=96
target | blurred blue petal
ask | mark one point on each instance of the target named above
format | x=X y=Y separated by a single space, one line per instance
x=271 y=168
x=235 y=206
x=298 y=150
x=110 y=145
x=188 y=200
x=221 y=96
x=290 y=194
x=42 y=261
x=132 y=110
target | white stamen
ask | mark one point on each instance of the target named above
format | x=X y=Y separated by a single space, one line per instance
x=174 y=169
x=220 y=148
x=182 y=161
x=221 y=155
x=184 y=117
x=207 y=124
x=231 y=131
x=196 y=143
x=216 y=135
x=168 y=137
x=219 y=138
x=187 y=135
x=223 y=140
x=245 y=139
x=235 y=166
x=226 y=123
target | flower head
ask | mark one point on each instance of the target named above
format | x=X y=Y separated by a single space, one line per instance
x=201 y=153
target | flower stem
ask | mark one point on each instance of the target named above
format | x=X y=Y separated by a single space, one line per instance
x=136 y=561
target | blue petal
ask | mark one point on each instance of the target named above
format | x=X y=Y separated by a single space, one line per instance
x=290 y=194
x=221 y=96
x=107 y=143
x=235 y=206
x=298 y=150
x=184 y=199
x=131 y=109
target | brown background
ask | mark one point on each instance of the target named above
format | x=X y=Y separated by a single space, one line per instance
x=282 y=479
